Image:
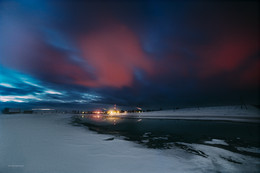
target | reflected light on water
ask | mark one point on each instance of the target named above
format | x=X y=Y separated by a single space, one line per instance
x=101 y=118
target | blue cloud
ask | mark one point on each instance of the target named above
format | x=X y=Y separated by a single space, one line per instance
x=22 y=88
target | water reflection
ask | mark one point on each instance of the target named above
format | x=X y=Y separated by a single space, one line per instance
x=164 y=134
x=101 y=119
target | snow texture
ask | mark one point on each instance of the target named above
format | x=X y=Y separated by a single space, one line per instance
x=250 y=149
x=48 y=143
x=220 y=113
x=216 y=141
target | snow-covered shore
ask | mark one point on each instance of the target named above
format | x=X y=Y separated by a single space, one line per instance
x=48 y=143
x=221 y=113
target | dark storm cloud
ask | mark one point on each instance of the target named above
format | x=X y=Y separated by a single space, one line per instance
x=134 y=52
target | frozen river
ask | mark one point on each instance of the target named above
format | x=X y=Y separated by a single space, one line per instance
x=51 y=143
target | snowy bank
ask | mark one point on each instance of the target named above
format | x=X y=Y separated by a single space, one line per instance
x=220 y=113
x=48 y=143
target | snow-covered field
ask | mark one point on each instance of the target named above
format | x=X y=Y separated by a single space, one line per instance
x=223 y=113
x=50 y=144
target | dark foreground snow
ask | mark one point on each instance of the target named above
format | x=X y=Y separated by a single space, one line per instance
x=49 y=143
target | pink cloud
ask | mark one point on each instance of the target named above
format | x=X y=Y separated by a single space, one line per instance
x=225 y=55
x=114 y=52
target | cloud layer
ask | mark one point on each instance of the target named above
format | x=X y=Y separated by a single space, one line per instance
x=131 y=53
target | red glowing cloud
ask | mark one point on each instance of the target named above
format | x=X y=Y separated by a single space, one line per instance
x=114 y=52
x=226 y=55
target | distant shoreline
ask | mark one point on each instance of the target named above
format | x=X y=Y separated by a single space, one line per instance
x=195 y=118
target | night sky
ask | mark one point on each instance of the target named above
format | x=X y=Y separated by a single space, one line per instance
x=131 y=53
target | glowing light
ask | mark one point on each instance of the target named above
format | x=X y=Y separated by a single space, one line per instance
x=113 y=112
x=112 y=118
x=97 y=116
x=97 y=112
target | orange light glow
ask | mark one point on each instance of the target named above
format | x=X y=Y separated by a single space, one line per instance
x=113 y=112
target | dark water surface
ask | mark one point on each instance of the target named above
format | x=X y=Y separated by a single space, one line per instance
x=163 y=134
